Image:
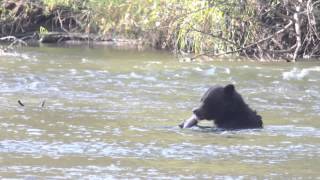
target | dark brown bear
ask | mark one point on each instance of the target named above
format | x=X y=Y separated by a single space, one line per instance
x=225 y=106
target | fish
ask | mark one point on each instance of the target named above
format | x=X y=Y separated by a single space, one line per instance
x=190 y=122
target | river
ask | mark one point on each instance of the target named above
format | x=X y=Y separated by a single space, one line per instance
x=108 y=113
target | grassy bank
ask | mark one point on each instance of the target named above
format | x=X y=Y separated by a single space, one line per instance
x=253 y=28
x=169 y=24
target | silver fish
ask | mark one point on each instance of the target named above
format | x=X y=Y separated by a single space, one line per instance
x=192 y=121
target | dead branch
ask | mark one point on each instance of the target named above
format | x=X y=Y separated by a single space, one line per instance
x=13 y=40
x=218 y=36
x=297 y=20
x=248 y=46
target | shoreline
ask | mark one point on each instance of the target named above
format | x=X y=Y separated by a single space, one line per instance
x=198 y=31
x=125 y=43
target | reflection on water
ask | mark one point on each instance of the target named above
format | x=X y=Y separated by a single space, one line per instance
x=113 y=114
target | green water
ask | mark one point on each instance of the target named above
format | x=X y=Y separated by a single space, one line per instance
x=113 y=114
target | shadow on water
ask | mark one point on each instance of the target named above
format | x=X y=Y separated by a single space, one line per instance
x=114 y=114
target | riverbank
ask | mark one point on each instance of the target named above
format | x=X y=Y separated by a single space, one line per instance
x=57 y=22
x=256 y=30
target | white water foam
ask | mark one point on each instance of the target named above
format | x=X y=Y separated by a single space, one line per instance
x=297 y=74
x=14 y=54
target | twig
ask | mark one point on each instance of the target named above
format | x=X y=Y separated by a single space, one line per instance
x=20 y=103
x=43 y=103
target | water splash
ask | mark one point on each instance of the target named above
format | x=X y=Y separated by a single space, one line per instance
x=299 y=74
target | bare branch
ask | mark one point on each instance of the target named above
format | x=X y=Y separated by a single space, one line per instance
x=248 y=46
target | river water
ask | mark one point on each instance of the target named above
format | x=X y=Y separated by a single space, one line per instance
x=114 y=114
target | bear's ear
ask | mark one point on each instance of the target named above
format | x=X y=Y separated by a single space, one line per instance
x=229 y=89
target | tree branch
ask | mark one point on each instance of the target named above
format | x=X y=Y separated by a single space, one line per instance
x=248 y=46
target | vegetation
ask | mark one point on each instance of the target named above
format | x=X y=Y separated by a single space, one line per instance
x=259 y=29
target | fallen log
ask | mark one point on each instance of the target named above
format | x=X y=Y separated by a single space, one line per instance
x=56 y=37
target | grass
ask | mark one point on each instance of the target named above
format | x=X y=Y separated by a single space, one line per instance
x=168 y=24
x=194 y=26
x=203 y=27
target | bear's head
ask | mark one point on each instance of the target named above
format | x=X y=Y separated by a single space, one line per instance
x=217 y=101
x=225 y=106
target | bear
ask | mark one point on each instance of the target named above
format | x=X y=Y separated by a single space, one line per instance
x=226 y=108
